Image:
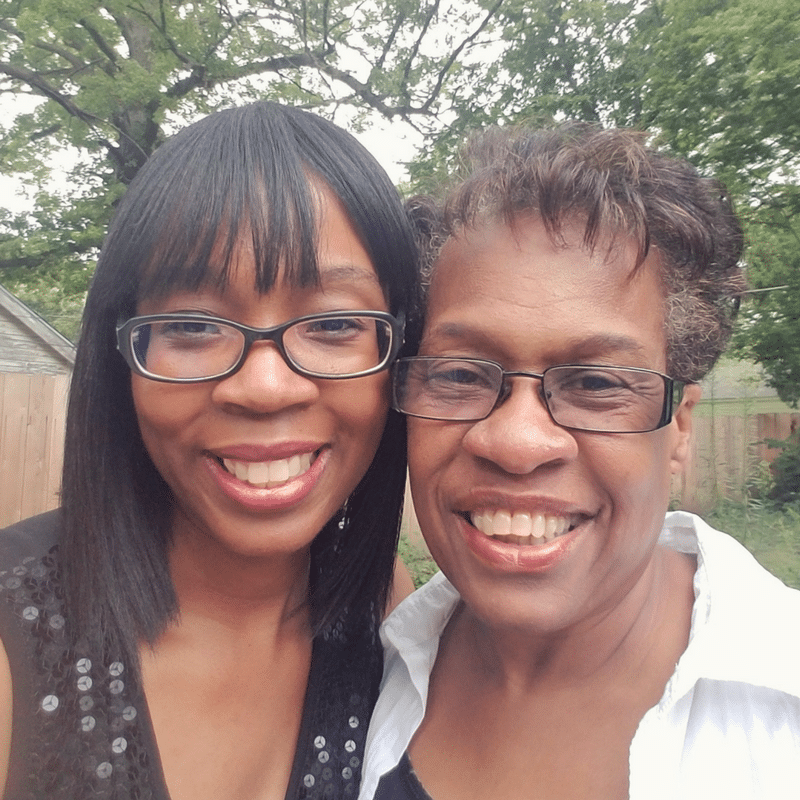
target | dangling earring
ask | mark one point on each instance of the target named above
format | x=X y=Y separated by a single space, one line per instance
x=344 y=521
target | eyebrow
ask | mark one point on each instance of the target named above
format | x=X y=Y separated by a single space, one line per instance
x=588 y=347
x=347 y=273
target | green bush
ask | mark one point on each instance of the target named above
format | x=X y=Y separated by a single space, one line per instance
x=786 y=469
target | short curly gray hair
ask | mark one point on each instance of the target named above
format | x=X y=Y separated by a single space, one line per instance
x=616 y=185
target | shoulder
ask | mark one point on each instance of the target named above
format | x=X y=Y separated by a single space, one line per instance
x=29 y=572
x=31 y=538
x=745 y=620
x=725 y=567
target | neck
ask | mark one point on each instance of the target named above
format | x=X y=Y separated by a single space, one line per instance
x=236 y=590
x=643 y=634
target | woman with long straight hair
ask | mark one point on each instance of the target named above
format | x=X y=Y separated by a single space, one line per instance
x=198 y=619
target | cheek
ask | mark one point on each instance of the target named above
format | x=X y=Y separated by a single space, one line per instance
x=422 y=444
x=432 y=448
x=637 y=475
x=361 y=407
x=163 y=412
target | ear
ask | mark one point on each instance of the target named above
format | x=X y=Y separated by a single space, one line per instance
x=682 y=427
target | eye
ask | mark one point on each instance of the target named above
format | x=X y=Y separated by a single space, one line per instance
x=332 y=327
x=459 y=375
x=188 y=328
x=588 y=381
x=184 y=334
x=598 y=382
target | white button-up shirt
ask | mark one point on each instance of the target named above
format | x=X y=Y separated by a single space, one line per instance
x=728 y=724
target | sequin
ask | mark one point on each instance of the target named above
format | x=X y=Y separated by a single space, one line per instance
x=104 y=770
x=309 y=781
x=128 y=713
x=49 y=703
x=119 y=745
x=353 y=722
x=84 y=665
x=116 y=669
x=349 y=745
x=323 y=757
x=88 y=723
x=116 y=687
x=347 y=773
x=84 y=683
x=319 y=742
x=30 y=613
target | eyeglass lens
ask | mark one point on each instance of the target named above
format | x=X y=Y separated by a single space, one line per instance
x=603 y=399
x=198 y=348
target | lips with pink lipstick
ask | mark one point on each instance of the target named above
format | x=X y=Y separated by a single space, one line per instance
x=521 y=527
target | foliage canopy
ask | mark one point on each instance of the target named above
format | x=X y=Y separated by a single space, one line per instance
x=119 y=76
x=714 y=80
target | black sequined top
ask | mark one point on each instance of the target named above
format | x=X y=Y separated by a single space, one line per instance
x=81 y=725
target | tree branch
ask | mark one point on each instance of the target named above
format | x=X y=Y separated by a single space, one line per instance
x=296 y=61
x=48 y=47
x=36 y=81
x=434 y=8
x=101 y=43
x=456 y=53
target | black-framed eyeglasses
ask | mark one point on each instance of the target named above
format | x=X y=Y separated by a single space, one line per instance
x=583 y=397
x=190 y=348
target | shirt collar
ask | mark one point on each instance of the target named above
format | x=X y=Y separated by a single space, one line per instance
x=742 y=618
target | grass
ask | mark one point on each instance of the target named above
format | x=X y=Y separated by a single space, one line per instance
x=772 y=536
x=415 y=556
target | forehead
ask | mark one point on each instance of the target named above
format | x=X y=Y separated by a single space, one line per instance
x=497 y=287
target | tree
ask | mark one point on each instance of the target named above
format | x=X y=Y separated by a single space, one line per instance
x=713 y=80
x=769 y=329
x=119 y=75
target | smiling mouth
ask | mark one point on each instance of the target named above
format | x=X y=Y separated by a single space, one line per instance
x=268 y=474
x=522 y=527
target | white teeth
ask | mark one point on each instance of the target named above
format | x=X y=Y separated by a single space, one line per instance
x=521 y=527
x=501 y=524
x=266 y=474
x=521 y=524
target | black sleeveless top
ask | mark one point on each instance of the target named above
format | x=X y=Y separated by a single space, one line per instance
x=81 y=727
x=401 y=783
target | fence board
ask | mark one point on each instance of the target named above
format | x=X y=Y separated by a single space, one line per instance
x=32 y=410
x=727 y=450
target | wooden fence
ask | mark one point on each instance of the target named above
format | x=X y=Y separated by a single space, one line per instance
x=32 y=414
x=730 y=451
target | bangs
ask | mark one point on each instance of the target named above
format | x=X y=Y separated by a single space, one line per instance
x=189 y=253
x=207 y=192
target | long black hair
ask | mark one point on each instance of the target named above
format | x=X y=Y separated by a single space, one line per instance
x=245 y=171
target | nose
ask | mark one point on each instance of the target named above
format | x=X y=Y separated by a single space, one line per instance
x=519 y=435
x=264 y=384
